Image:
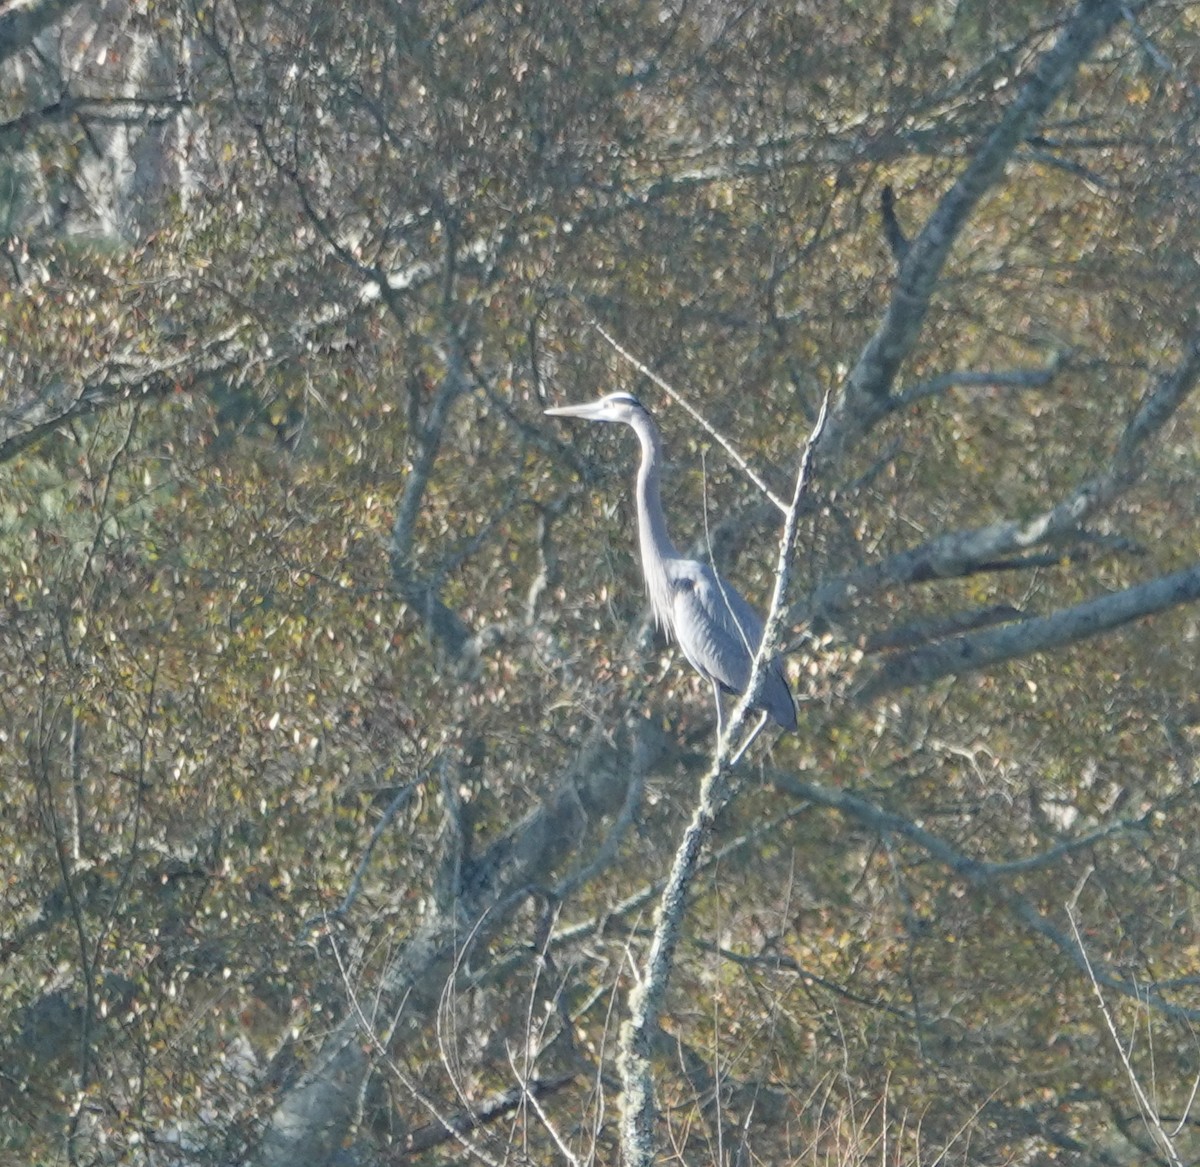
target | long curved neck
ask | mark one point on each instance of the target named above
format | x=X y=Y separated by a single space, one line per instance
x=654 y=541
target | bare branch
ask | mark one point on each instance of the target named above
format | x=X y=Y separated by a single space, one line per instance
x=445 y=1128
x=696 y=416
x=866 y=392
x=132 y=374
x=1148 y=1111
x=444 y=624
x=993 y=878
x=399 y=802
x=980 y=379
x=313 y=1117
x=975 y=871
x=127 y=376
x=776 y=962
x=968 y=654
x=918 y=632
x=960 y=553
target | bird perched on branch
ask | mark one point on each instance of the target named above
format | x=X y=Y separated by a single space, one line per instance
x=715 y=627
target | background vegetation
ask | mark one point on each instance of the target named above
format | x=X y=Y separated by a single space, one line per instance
x=341 y=765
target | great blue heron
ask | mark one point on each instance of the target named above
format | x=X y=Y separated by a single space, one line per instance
x=717 y=630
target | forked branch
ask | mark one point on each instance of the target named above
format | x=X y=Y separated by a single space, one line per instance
x=960 y=553
x=866 y=394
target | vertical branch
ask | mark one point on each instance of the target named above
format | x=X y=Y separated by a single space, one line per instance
x=1147 y=1109
x=638 y=1112
x=444 y=624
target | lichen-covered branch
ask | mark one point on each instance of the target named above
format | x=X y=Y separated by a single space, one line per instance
x=314 y=1116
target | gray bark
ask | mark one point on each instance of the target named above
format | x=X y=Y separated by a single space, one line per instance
x=959 y=553
x=866 y=393
x=967 y=654
x=311 y=1122
x=22 y=21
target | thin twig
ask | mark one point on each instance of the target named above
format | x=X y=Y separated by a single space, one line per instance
x=695 y=414
x=1149 y=1113
x=776 y=616
x=529 y=1094
x=455 y=1127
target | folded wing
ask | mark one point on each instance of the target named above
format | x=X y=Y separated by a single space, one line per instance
x=719 y=633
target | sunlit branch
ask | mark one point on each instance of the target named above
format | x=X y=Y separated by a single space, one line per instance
x=960 y=553
x=638 y=1109
x=866 y=392
x=1148 y=1111
x=968 y=654
x=695 y=415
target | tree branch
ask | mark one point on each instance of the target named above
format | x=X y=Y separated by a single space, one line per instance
x=124 y=376
x=960 y=553
x=311 y=1120
x=866 y=392
x=696 y=416
x=638 y=1111
x=968 y=654
x=442 y=622
x=919 y=632
x=434 y=1134
x=980 y=379
x=897 y=241
x=992 y=878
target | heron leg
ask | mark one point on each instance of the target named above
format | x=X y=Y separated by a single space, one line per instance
x=749 y=740
x=720 y=712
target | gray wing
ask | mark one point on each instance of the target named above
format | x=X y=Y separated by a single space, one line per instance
x=719 y=634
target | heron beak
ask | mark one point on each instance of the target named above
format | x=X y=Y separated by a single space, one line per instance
x=588 y=410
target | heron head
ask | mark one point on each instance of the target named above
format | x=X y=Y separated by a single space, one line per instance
x=613 y=407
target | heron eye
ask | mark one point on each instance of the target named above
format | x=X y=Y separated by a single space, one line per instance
x=683 y=585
